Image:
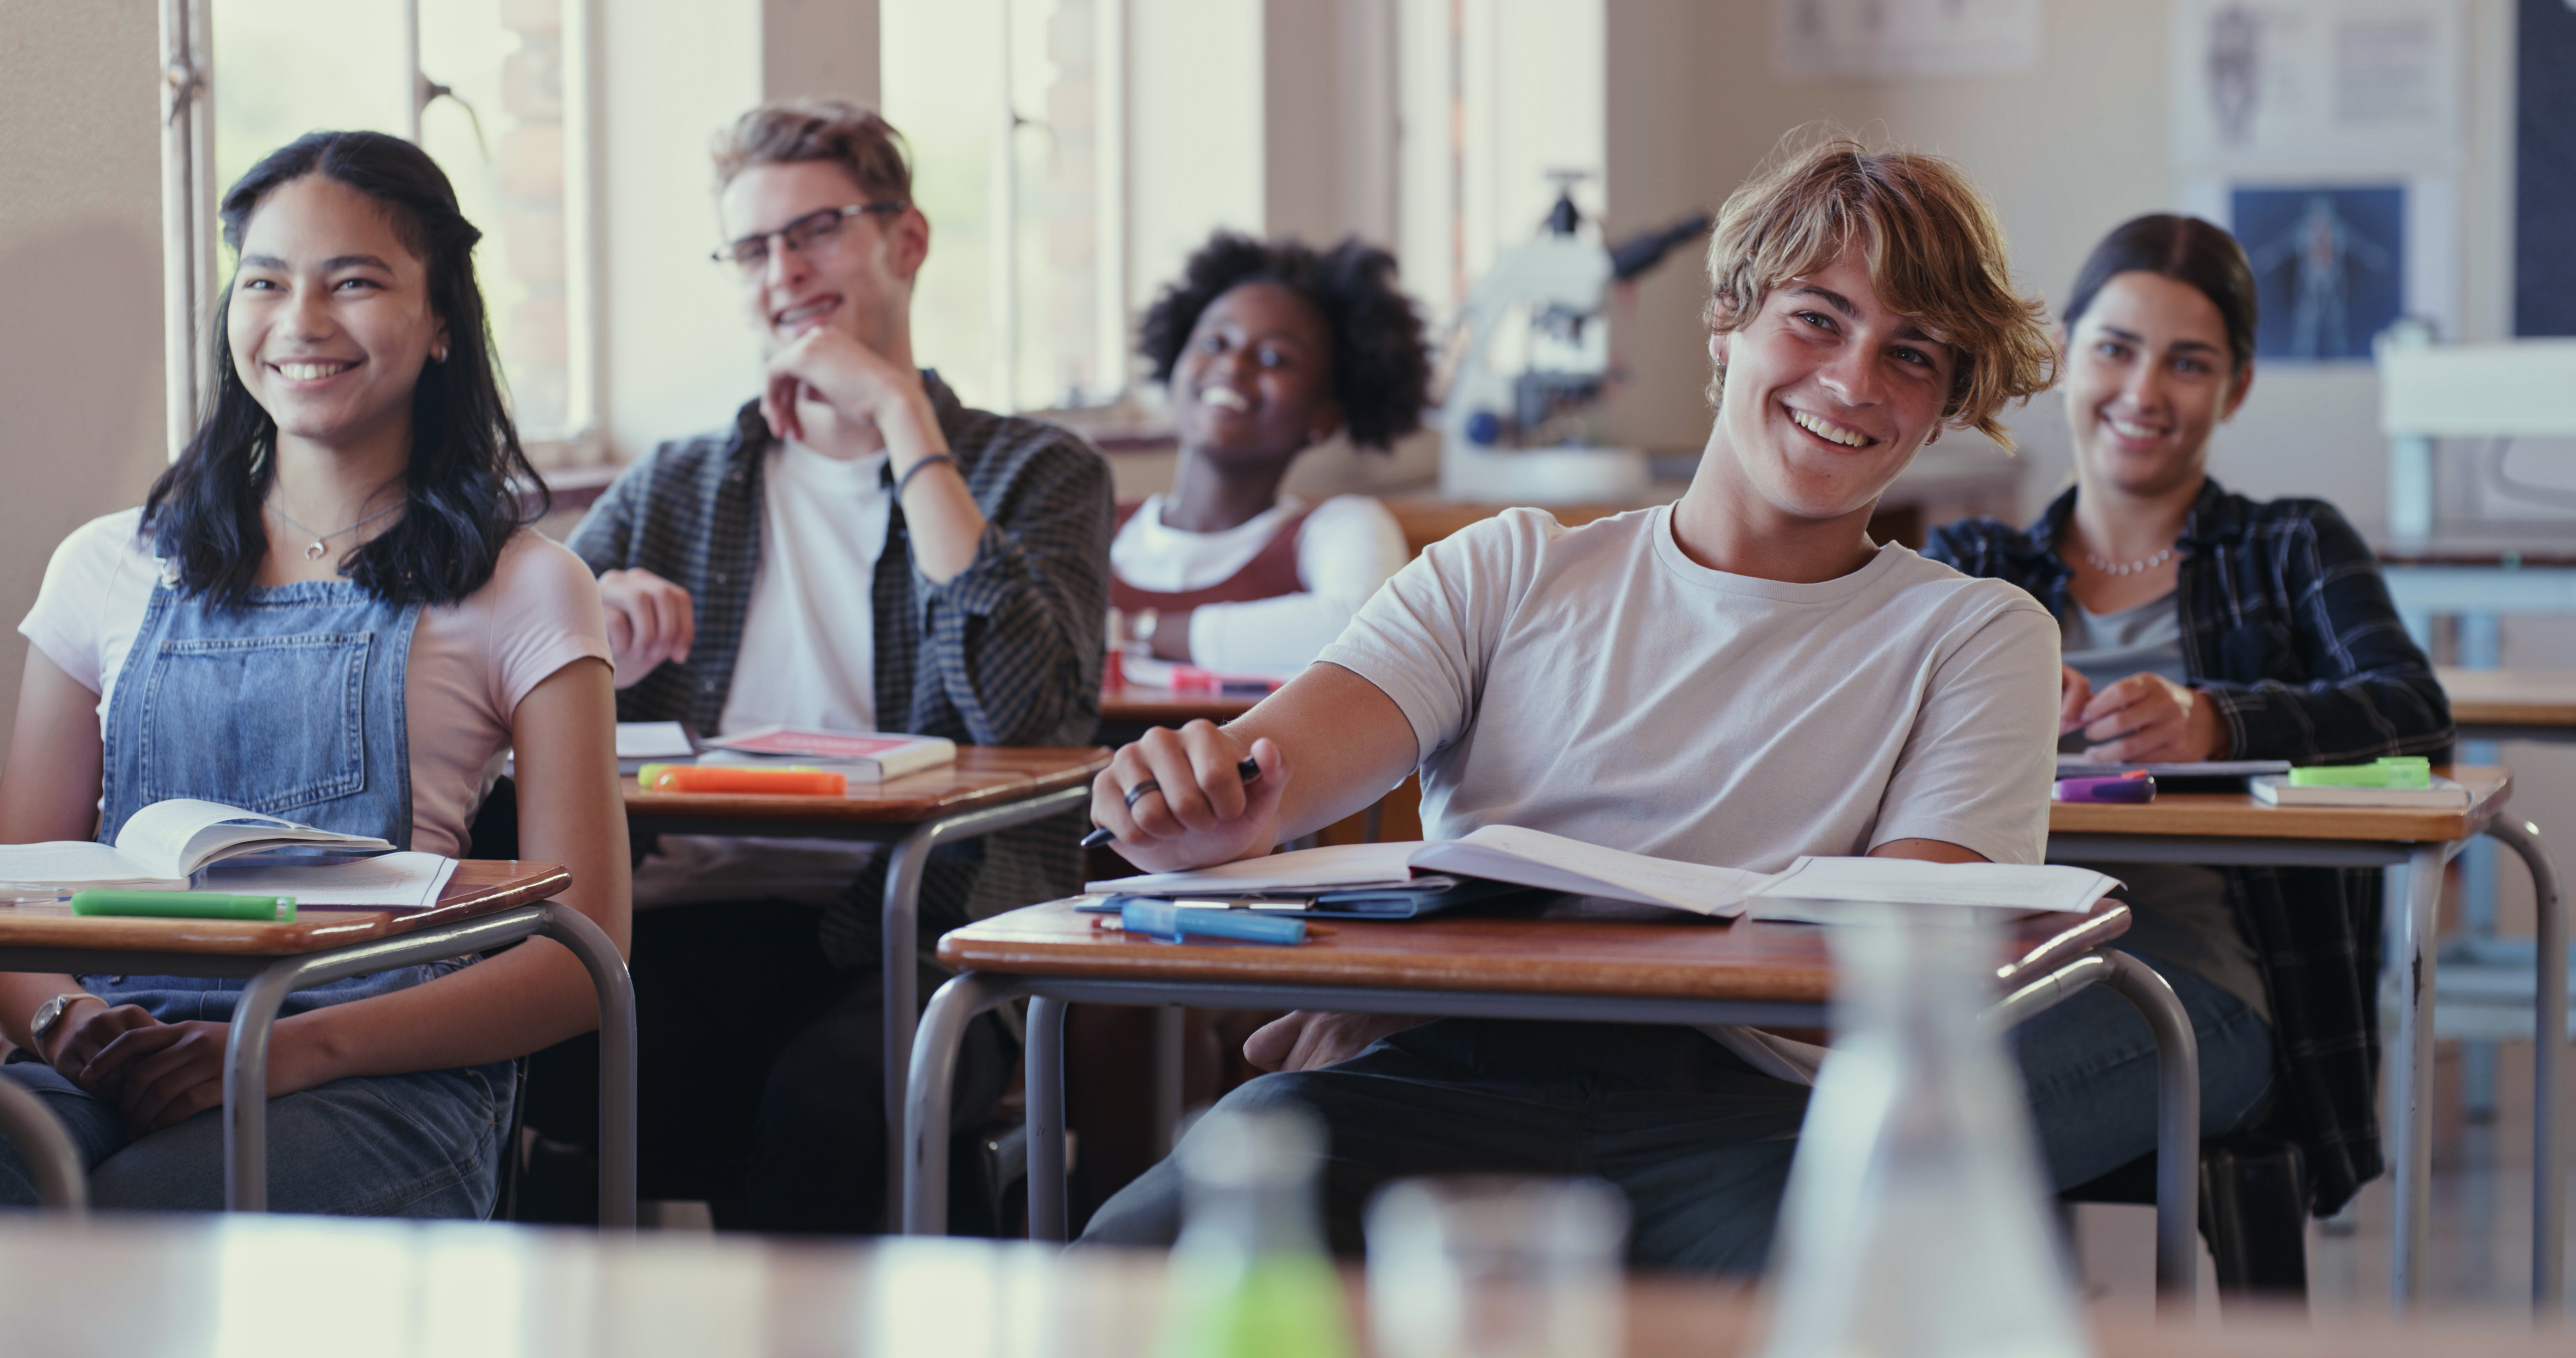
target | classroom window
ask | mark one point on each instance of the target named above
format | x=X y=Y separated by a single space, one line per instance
x=480 y=85
x=1013 y=109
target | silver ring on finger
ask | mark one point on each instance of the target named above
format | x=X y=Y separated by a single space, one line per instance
x=1137 y=793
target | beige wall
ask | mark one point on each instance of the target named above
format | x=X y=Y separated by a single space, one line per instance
x=80 y=266
x=2067 y=151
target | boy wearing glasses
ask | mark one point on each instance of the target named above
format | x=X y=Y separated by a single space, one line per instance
x=856 y=551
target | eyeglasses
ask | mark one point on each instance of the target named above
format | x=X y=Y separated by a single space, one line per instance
x=811 y=235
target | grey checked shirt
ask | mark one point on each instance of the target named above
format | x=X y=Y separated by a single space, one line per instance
x=1007 y=652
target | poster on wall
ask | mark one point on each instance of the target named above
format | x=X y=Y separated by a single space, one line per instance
x=2315 y=86
x=1902 y=39
x=2329 y=266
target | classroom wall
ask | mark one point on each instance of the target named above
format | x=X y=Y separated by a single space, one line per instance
x=2067 y=151
x=80 y=266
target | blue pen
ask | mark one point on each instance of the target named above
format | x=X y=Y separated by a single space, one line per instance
x=1162 y=919
x=1245 y=769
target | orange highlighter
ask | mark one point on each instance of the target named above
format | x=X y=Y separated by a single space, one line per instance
x=795 y=780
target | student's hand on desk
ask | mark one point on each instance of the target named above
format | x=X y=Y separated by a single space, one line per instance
x=829 y=366
x=650 y=620
x=1201 y=812
x=2149 y=719
x=163 y=1074
x=1308 y=1040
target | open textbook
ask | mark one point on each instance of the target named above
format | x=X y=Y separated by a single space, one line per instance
x=165 y=844
x=1533 y=858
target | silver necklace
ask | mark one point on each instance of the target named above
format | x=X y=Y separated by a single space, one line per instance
x=2128 y=567
x=314 y=552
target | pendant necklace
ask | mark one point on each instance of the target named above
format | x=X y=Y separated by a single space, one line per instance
x=315 y=551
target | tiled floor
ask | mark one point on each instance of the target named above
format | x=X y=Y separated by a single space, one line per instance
x=2481 y=1253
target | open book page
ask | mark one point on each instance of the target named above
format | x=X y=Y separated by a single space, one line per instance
x=1333 y=867
x=79 y=863
x=653 y=740
x=176 y=837
x=395 y=881
x=1500 y=853
x=1908 y=881
x=1508 y=853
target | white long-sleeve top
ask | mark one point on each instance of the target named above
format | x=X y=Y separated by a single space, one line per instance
x=1345 y=550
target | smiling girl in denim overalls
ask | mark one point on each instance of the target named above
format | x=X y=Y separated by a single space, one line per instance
x=328 y=609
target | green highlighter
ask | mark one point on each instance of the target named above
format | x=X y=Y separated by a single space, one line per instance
x=2403 y=772
x=185 y=905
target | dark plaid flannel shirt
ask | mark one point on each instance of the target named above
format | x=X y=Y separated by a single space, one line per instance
x=2287 y=627
x=1007 y=652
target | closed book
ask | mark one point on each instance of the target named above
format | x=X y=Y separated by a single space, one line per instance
x=2443 y=795
x=867 y=755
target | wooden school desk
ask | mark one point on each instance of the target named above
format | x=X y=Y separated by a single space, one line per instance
x=2233 y=829
x=486 y=904
x=184 y=1287
x=989 y=788
x=1647 y=970
x=2511 y=704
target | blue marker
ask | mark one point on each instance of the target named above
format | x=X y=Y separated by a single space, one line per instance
x=1162 y=919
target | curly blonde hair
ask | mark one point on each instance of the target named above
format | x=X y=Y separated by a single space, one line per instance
x=1936 y=255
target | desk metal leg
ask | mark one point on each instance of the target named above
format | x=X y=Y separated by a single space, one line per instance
x=617 y=1115
x=933 y=1063
x=2414 y=894
x=2177 y=1097
x=899 y=940
x=62 y=1182
x=2549 y=1066
x=1049 y=1218
x=899 y=937
x=255 y=1013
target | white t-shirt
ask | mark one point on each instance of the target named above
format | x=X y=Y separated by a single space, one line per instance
x=808 y=658
x=471 y=662
x=1596 y=683
x=1345 y=550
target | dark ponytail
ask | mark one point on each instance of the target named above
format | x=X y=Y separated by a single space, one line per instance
x=2186 y=250
x=460 y=504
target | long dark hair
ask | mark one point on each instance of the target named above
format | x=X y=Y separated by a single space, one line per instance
x=460 y=506
x=2186 y=250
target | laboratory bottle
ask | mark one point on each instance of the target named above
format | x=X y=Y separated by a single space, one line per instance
x=1250 y=1277
x=1916 y=1224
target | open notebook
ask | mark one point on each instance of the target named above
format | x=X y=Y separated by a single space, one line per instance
x=183 y=842
x=1533 y=858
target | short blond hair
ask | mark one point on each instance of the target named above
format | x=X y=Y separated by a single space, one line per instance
x=789 y=131
x=1936 y=254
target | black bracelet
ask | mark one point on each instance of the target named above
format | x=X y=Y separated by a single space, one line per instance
x=915 y=470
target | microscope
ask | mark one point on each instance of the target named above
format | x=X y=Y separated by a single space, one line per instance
x=1536 y=354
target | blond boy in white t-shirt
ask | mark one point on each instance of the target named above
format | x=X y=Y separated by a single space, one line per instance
x=1739 y=677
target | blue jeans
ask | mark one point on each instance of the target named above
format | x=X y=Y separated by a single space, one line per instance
x=423 y=1145
x=1698 y=1142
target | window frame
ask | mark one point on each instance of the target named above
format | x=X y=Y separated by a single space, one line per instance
x=189 y=196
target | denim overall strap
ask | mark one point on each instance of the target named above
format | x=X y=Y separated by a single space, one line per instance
x=291 y=705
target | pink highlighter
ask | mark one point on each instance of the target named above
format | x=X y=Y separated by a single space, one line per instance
x=2134 y=786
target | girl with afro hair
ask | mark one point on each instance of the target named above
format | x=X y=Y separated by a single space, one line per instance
x=1268 y=348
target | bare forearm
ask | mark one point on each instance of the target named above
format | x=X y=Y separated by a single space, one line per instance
x=533 y=996
x=939 y=512
x=1347 y=744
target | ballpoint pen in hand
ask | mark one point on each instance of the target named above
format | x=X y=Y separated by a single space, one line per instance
x=1248 y=770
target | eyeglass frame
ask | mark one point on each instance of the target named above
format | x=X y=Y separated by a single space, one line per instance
x=838 y=215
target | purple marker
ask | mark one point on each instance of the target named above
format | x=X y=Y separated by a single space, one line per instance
x=2128 y=787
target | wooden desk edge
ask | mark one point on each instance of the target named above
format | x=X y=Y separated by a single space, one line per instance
x=480 y=887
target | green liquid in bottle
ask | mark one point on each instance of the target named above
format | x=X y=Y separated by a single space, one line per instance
x=1280 y=1306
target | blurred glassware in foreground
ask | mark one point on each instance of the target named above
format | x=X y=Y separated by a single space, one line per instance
x=1496 y=1268
x=1916 y=1221
x=1249 y=1277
